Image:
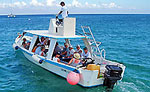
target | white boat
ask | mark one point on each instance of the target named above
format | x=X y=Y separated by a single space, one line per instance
x=11 y=16
x=108 y=73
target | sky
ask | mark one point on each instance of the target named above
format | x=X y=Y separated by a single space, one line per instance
x=75 y=6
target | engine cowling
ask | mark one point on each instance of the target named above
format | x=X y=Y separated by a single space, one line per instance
x=112 y=75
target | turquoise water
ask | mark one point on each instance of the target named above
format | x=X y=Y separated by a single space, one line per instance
x=124 y=37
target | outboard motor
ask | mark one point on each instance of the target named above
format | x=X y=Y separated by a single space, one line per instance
x=112 y=75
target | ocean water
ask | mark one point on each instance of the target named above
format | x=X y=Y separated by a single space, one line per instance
x=126 y=39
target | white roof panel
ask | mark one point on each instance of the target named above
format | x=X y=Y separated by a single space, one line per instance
x=45 y=33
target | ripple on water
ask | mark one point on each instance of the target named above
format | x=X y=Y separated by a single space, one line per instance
x=127 y=87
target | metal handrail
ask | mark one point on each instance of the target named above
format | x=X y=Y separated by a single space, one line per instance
x=96 y=43
x=103 y=50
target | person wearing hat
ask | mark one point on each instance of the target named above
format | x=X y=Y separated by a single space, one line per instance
x=42 y=40
x=64 y=11
x=86 y=53
x=57 y=49
x=71 y=52
x=28 y=45
x=65 y=51
x=75 y=61
x=56 y=58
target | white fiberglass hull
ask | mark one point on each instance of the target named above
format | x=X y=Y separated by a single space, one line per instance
x=87 y=78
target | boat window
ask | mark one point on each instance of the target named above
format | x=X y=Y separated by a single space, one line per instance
x=25 y=40
x=65 y=50
x=26 y=43
x=41 y=46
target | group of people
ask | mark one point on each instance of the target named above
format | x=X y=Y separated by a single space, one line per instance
x=69 y=52
x=66 y=52
x=40 y=48
x=26 y=44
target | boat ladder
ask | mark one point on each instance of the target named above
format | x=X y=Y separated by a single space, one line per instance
x=93 y=43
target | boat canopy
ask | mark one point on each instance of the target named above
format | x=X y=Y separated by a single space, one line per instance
x=45 y=33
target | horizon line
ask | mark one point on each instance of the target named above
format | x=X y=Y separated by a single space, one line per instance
x=71 y=13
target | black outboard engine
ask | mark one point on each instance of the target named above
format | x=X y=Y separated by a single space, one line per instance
x=112 y=75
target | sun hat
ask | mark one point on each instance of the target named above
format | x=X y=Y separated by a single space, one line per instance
x=77 y=56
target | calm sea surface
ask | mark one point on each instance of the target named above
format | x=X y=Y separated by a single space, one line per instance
x=126 y=39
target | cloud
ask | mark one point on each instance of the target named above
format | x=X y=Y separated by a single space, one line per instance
x=46 y=3
x=91 y=5
x=36 y=3
x=15 y=4
x=110 y=5
x=76 y=3
x=53 y=3
x=3 y=5
x=103 y=5
x=19 y=4
x=50 y=2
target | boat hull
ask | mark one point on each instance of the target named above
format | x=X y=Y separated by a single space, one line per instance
x=87 y=78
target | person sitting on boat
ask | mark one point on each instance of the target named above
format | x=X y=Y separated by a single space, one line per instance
x=56 y=58
x=46 y=41
x=28 y=45
x=86 y=53
x=79 y=50
x=21 y=35
x=42 y=40
x=57 y=49
x=37 y=48
x=42 y=53
x=75 y=61
x=64 y=12
x=24 y=42
x=71 y=52
x=65 y=51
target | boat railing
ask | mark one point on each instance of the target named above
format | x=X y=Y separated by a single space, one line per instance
x=93 y=43
x=103 y=51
